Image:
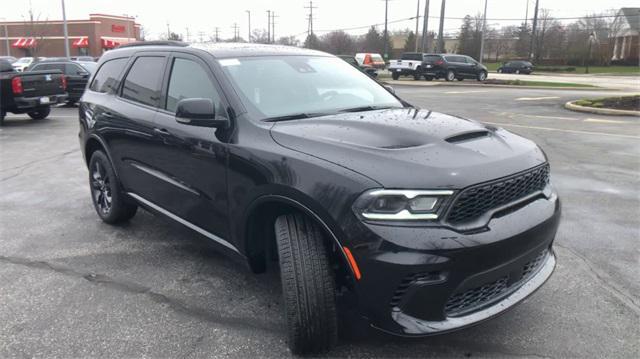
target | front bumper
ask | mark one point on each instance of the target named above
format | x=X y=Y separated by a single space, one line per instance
x=419 y=281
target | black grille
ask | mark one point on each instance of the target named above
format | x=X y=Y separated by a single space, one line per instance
x=464 y=302
x=410 y=280
x=474 y=201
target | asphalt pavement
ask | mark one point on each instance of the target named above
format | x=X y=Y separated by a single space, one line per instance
x=71 y=286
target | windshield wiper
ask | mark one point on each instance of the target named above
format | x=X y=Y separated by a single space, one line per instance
x=295 y=116
x=365 y=108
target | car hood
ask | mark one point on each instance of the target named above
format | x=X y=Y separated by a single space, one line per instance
x=411 y=148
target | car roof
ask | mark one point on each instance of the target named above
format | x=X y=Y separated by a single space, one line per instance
x=218 y=50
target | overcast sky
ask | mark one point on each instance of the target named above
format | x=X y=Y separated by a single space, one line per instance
x=205 y=15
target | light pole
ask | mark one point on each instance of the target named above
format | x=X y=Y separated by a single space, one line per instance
x=6 y=37
x=417 y=24
x=66 y=32
x=386 y=34
x=441 y=29
x=249 y=15
x=425 y=28
x=484 y=28
x=590 y=41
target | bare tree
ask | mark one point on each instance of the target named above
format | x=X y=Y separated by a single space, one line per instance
x=338 y=42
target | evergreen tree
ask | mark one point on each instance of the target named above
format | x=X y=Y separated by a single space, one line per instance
x=410 y=43
x=465 y=40
x=372 y=41
x=312 y=42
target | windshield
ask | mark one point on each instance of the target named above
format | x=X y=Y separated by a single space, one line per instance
x=290 y=85
x=411 y=56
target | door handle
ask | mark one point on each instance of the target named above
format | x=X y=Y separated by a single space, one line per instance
x=162 y=131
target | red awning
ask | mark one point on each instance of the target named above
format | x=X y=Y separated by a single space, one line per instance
x=24 y=43
x=109 y=44
x=82 y=42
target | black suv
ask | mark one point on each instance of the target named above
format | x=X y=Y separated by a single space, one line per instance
x=516 y=67
x=415 y=221
x=453 y=67
x=76 y=75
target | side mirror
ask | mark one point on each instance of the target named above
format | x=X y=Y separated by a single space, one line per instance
x=199 y=112
x=83 y=73
x=390 y=89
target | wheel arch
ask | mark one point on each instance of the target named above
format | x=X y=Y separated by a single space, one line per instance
x=95 y=143
x=260 y=220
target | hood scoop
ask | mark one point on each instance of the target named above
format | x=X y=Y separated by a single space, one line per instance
x=467 y=136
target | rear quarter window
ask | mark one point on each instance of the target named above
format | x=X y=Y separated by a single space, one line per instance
x=411 y=56
x=106 y=79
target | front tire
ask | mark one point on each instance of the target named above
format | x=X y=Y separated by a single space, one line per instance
x=450 y=76
x=428 y=78
x=395 y=75
x=40 y=113
x=482 y=76
x=499 y=71
x=517 y=72
x=109 y=201
x=308 y=285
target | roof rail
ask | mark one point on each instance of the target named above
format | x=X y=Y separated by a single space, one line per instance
x=154 y=43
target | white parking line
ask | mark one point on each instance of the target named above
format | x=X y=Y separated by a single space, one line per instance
x=536 y=98
x=562 y=130
x=599 y=120
x=459 y=92
x=554 y=117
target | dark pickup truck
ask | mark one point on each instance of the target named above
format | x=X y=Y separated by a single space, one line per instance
x=32 y=93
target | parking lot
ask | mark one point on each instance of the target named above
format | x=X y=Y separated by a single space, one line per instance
x=72 y=286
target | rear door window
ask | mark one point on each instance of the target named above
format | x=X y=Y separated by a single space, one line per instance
x=143 y=81
x=106 y=80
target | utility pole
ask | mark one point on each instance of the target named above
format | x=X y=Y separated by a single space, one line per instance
x=533 y=32
x=217 y=31
x=273 y=26
x=249 y=27
x=168 y=31
x=66 y=32
x=484 y=29
x=268 y=26
x=235 y=32
x=187 y=30
x=441 y=29
x=310 y=27
x=417 y=24
x=425 y=28
x=385 y=36
x=526 y=15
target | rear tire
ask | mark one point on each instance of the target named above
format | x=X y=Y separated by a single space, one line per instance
x=517 y=72
x=428 y=78
x=2 y=115
x=109 y=201
x=40 y=113
x=450 y=76
x=308 y=285
x=416 y=74
x=499 y=71
x=395 y=75
x=460 y=78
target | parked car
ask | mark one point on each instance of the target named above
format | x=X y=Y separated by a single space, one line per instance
x=369 y=70
x=90 y=66
x=23 y=63
x=82 y=58
x=453 y=67
x=409 y=64
x=371 y=59
x=417 y=222
x=32 y=93
x=77 y=75
x=10 y=59
x=516 y=67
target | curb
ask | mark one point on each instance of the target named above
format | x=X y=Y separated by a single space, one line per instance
x=600 y=111
x=429 y=84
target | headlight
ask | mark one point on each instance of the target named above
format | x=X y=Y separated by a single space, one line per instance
x=400 y=205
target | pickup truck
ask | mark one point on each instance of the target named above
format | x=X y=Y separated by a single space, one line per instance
x=409 y=64
x=31 y=92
